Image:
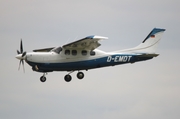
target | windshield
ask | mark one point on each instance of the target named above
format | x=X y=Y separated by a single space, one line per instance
x=57 y=50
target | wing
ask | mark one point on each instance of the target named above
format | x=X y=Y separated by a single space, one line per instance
x=44 y=49
x=88 y=43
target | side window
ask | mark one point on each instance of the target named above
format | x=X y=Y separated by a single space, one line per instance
x=84 y=52
x=67 y=52
x=92 y=53
x=74 y=52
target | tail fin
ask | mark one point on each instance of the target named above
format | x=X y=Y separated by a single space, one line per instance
x=150 y=43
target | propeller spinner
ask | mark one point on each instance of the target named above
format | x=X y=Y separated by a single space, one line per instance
x=21 y=56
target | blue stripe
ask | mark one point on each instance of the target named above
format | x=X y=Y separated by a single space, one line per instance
x=88 y=64
x=90 y=37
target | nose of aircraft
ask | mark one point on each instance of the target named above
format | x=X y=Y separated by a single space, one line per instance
x=19 y=56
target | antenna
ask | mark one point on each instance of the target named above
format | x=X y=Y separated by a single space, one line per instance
x=75 y=38
x=69 y=39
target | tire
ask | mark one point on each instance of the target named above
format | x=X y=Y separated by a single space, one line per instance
x=42 y=78
x=67 y=78
x=80 y=75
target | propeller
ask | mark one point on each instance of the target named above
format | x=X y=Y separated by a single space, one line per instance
x=21 y=56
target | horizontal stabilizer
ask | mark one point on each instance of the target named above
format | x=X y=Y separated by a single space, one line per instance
x=148 y=55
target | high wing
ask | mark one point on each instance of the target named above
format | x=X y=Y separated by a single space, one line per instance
x=43 y=50
x=87 y=43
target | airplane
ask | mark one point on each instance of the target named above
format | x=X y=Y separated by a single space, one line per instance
x=84 y=55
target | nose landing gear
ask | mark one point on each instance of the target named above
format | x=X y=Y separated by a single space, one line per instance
x=43 y=78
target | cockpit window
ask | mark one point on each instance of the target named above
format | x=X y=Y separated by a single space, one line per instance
x=57 y=50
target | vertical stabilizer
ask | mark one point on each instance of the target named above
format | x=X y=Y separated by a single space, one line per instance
x=150 y=43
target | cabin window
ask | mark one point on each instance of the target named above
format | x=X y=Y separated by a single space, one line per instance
x=67 y=52
x=74 y=52
x=92 y=53
x=84 y=52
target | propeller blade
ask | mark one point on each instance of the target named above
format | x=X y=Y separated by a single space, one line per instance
x=19 y=64
x=21 y=47
x=23 y=66
x=18 y=52
x=21 y=58
x=24 y=53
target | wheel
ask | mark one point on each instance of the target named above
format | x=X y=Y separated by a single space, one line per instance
x=80 y=75
x=42 y=78
x=67 y=78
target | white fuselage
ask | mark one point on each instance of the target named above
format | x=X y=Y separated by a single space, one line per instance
x=53 y=57
x=71 y=60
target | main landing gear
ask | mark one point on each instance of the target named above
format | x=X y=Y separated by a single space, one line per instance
x=67 y=78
